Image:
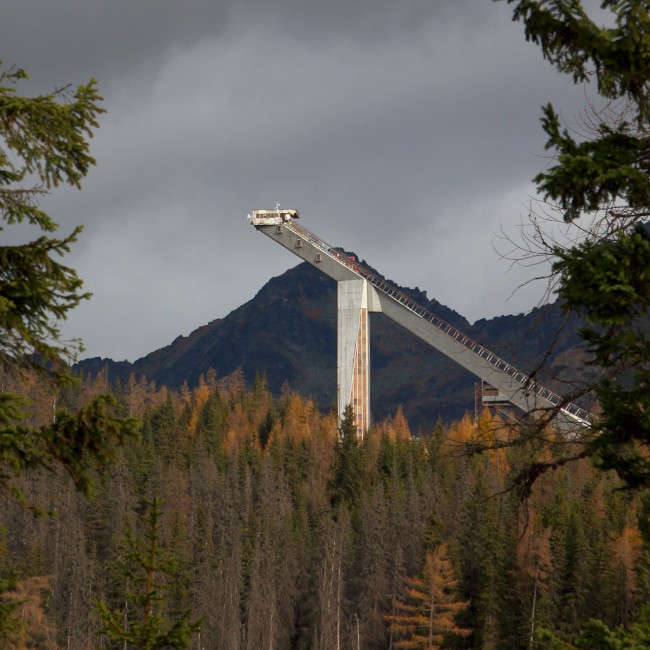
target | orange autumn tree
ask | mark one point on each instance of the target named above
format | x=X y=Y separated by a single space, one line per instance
x=627 y=551
x=427 y=615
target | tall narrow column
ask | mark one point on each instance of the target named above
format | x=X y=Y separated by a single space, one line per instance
x=353 y=351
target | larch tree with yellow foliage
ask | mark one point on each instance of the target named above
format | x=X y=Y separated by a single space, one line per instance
x=427 y=616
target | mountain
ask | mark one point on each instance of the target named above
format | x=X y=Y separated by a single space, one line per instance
x=288 y=332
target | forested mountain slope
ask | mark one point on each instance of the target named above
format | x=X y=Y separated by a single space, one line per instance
x=288 y=333
x=287 y=536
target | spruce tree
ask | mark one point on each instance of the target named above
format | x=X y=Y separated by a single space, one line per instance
x=143 y=621
x=599 y=184
x=44 y=143
x=348 y=464
x=10 y=622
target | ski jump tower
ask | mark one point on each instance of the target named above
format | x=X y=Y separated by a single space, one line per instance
x=359 y=291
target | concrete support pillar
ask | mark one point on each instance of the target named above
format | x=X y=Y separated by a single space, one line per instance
x=353 y=351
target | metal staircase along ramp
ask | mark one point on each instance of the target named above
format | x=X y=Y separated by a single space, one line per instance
x=520 y=389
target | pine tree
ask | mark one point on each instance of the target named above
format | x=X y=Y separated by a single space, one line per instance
x=10 y=623
x=348 y=464
x=627 y=548
x=143 y=621
x=486 y=551
x=44 y=143
x=597 y=192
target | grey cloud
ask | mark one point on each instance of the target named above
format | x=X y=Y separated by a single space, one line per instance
x=407 y=131
x=72 y=40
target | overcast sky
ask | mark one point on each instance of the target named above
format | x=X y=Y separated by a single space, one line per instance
x=405 y=130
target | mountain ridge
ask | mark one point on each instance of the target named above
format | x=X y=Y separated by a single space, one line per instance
x=287 y=331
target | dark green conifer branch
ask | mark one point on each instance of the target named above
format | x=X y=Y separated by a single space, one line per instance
x=44 y=143
x=599 y=182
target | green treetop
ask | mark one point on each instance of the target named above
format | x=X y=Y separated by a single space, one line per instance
x=143 y=620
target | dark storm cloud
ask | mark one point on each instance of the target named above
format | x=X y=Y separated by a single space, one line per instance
x=407 y=131
x=105 y=38
x=78 y=39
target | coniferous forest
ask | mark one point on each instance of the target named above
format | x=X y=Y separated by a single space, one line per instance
x=243 y=521
x=223 y=516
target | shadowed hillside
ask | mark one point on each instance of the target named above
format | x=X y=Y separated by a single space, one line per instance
x=288 y=332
